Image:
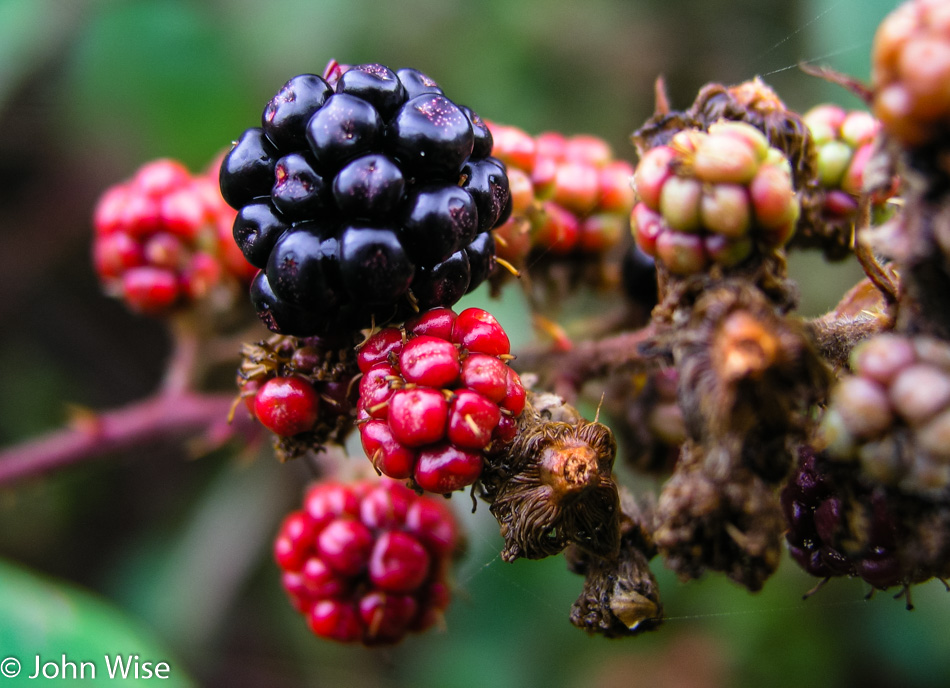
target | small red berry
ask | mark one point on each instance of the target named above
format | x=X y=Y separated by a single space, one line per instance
x=287 y=406
x=487 y=375
x=345 y=544
x=149 y=289
x=389 y=457
x=478 y=331
x=472 y=420
x=376 y=390
x=430 y=361
x=377 y=349
x=398 y=562
x=436 y=323
x=418 y=416
x=337 y=620
x=444 y=468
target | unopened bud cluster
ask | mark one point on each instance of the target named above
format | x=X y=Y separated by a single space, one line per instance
x=713 y=198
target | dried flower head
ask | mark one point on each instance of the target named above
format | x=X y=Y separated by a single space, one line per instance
x=553 y=485
x=732 y=524
x=748 y=378
x=620 y=596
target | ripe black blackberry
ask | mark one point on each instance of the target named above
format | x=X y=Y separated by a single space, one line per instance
x=361 y=196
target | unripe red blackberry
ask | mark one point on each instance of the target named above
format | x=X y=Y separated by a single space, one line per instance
x=571 y=198
x=363 y=196
x=910 y=69
x=893 y=414
x=302 y=390
x=435 y=395
x=713 y=198
x=367 y=562
x=158 y=239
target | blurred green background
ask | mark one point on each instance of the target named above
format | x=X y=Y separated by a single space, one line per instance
x=170 y=558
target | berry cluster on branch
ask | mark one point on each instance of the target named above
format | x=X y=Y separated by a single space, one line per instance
x=368 y=204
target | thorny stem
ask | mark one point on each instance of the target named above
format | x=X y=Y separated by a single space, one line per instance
x=175 y=411
x=158 y=418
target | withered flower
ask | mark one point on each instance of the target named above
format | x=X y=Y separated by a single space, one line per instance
x=732 y=524
x=620 y=596
x=552 y=486
x=748 y=378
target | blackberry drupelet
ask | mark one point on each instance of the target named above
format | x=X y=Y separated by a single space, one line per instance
x=361 y=197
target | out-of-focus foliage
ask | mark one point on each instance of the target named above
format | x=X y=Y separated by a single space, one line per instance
x=91 y=89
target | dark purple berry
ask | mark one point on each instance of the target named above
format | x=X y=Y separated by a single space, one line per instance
x=374 y=266
x=346 y=127
x=285 y=117
x=438 y=221
x=247 y=171
x=487 y=181
x=376 y=84
x=444 y=283
x=416 y=83
x=281 y=316
x=256 y=229
x=299 y=192
x=303 y=265
x=369 y=188
x=431 y=136
x=481 y=257
x=483 y=138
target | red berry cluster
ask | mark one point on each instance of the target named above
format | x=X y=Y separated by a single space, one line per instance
x=435 y=395
x=844 y=141
x=367 y=562
x=910 y=72
x=569 y=195
x=163 y=238
x=715 y=197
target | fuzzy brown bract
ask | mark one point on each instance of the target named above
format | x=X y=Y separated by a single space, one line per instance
x=553 y=486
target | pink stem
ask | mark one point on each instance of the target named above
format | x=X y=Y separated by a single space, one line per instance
x=158 y=418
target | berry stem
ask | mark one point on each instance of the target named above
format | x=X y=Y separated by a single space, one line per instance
x=591 y=358
x=186 y=415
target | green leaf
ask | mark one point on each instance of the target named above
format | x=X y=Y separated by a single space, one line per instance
x=52 y=620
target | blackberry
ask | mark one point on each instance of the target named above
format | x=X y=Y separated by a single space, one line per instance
x=286 y=115
x=365 y=194
x=256 y=229
x=438 y=221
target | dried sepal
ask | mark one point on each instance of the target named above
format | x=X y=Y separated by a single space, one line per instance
x=732 y=524
x=552 y=486
x=329 y=366
x=621 y=596
x=748 y=378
